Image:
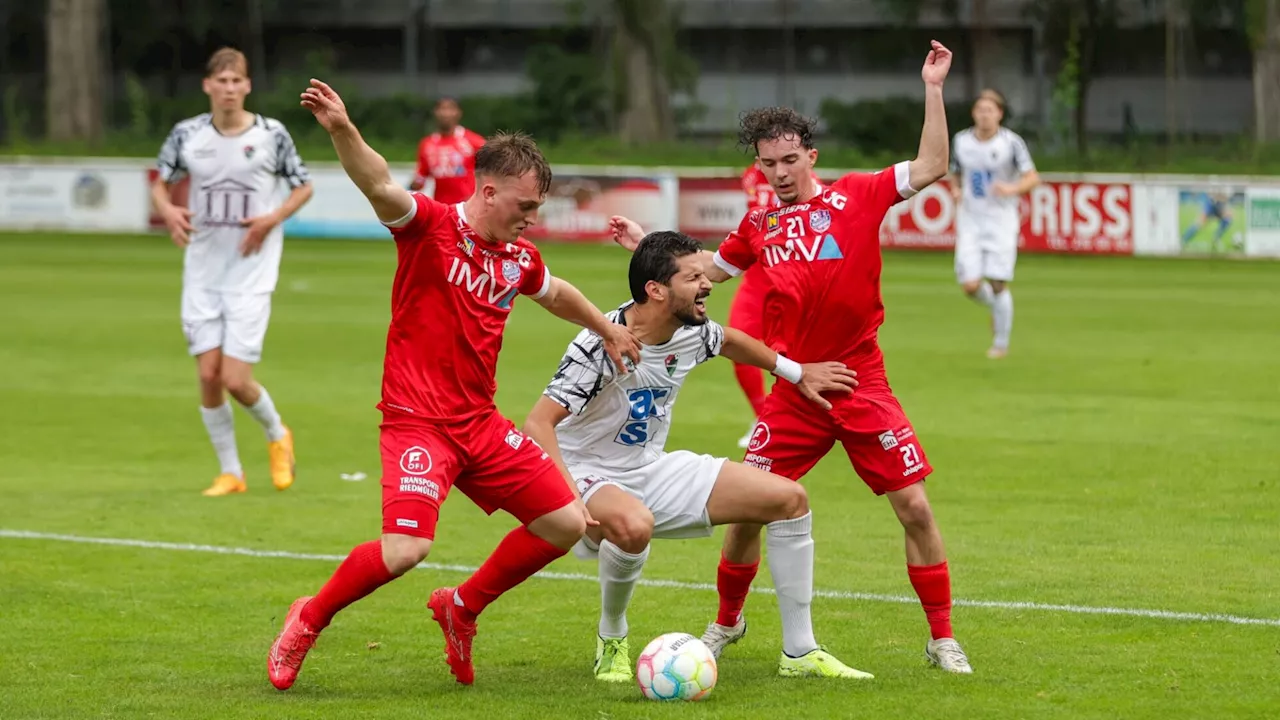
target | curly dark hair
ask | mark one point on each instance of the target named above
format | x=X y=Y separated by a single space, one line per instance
x=771 y=123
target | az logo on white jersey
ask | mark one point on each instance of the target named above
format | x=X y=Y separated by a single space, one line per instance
x=644 y=405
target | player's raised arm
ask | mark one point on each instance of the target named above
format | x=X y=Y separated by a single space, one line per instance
x=811 y=379
x=568 y=303
x=933 y=157
x=366 y=168
x=628 y=234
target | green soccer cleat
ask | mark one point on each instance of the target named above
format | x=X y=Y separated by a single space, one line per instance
x=613 y=660
x=818 y=663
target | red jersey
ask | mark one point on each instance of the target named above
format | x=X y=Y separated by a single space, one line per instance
x=452 y=294
x=451 y=160
x=822 y=258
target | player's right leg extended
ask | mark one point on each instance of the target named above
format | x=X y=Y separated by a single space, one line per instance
x=744 y=494
x=220 y=423
x=367 y=568
x=626 y=527
x=419 y=465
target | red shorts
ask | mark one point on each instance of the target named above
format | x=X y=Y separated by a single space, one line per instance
x=793 y=434
x=486 y=457
x=746 y=312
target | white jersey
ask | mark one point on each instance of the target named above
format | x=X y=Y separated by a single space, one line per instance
x=620 y=422
x=233 y=178
x=1002 y=158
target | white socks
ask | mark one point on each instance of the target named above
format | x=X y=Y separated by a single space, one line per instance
x=264 y=411
x=222 y=432
x=789 y=545
x=1002 y=315
x=985 y=295
x=619 y=572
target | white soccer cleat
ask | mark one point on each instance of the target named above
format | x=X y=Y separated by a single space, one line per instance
x=995 y=353
x=947 y=655
x=745 y=441
x=718 y=637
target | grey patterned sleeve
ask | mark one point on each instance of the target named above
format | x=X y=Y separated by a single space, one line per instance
x=169 y=163
x=584 y=371
x=289 y=164
x=711 y=337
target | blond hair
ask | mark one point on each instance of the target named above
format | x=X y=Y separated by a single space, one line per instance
x=227 y=58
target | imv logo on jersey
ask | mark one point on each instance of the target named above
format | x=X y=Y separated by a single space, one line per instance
x=823 y=247
x=484 y=286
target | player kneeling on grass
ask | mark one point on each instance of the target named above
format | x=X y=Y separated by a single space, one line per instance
x=607 y=431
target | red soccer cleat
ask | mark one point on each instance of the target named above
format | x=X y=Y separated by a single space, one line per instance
x=290 y=647
x=458 y=633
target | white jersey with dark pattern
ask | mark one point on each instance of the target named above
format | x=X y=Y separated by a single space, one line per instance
x=1002 y=158
x=233 y=178
x=621 y=421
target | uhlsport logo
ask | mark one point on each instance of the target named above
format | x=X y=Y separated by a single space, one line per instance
x=416 y=461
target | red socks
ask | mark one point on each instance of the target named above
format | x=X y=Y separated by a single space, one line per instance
x=733 y=582
x=933 y=587
x=516 y=559
x=360 y=574
x=751 y=380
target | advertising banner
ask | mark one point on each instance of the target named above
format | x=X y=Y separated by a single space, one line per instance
x=73 y=196
x=1057 y=217
x=578 y=207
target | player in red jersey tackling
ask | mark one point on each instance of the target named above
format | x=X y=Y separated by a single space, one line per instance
x=460 y=268
x=821 y=250
x=746 y=312
x=448 y=155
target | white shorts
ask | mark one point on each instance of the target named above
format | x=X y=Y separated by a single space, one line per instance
x=675 y=488
x=986 y=249
x=234 y=322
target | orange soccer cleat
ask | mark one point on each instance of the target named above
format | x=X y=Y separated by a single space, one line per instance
x=458 y=633
x=283 y=463
x=225 y=484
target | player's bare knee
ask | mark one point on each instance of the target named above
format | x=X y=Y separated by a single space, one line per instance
x=998 y=286
x=238 y=384
x=794 y=502
x=971 y=287
x=562 y=527
x=210 y=376
x=914 y=513
x=400 y=553
x=631 y=531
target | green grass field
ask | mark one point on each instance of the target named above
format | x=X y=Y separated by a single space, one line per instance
x=1122 y=457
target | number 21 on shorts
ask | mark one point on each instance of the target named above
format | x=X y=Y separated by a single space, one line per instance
x=911 y=459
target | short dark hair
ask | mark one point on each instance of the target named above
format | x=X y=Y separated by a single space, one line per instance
x=446 y=100
x=771 y=123
x=513 y=155
x=655 y=259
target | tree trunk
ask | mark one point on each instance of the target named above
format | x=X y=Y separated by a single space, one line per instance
x=1266 y=76
x=73 y=95
x=646 y=116
x=1088 y=59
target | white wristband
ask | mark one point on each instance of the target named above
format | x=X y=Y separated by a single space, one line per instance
x=788 y=369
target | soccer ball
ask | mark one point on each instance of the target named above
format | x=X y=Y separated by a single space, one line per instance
x=676 y=666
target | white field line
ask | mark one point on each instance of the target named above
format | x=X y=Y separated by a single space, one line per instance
x=582 y=577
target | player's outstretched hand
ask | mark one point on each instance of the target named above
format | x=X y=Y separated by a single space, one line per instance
x=626 y=232
x=620 y=343
x=825 y=377
x=325 y=104
x=936 y=65
x=178 y=221
x=257 y=231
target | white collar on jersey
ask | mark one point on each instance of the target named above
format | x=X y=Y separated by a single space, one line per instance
x=462 y=213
